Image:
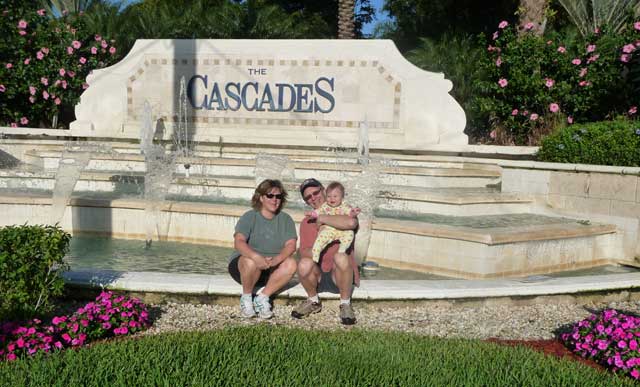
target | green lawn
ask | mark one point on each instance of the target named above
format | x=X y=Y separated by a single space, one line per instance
x=272 y=356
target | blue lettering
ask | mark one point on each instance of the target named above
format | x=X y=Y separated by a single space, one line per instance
x=216 y=98
x=266 y=98
x=303 y=96
x=191 y=92
x=292 y=99
x=233 y=95
x=325 y=94
x=244 y=96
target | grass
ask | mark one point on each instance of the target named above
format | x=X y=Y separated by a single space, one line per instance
x=273 y=356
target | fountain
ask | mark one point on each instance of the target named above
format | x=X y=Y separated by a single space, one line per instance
x=183 y=144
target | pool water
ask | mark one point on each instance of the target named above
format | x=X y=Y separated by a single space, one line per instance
x=95 y=253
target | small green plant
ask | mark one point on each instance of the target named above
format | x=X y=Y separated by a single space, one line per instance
x=31 y=261
x=603 y=143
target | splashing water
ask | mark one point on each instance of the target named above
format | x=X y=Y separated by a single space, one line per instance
x=182 y=142
x=272 y=167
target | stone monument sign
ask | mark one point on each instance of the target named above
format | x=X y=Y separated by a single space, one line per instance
x=277 y=92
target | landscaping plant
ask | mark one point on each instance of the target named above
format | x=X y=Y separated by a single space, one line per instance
x=610 y=338
x=31 y=263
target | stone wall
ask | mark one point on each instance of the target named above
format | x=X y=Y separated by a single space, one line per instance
x=597 y=193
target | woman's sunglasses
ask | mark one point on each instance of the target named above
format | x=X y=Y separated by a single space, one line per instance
x=277 y=196
x=312 y=194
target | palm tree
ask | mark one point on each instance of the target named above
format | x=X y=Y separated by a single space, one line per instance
x=57 y=7
x=588 y=15
x=532 y=11
x=346 y=14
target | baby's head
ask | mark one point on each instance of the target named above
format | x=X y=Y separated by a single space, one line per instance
x=335 y=194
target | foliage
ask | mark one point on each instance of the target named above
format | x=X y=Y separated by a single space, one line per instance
x=610 y=338
x=272 y=355
x=533 y=85
x=415 y=19
x=31 y=260
x=602 y=143
x=589 y=15
x=44 y=63
x=456 y=56
x=110 y=315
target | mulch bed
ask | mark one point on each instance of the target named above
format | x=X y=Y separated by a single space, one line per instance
x=550 y=348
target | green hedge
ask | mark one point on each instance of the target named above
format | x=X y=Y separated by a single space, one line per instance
x=31 y=260
x=602 y=143
x=268 y=355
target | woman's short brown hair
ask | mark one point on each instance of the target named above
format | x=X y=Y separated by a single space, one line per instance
x=263 y=189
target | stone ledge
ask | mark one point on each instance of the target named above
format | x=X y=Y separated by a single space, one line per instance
x=200 y=284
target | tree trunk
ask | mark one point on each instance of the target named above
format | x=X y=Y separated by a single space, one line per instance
x=534 y=12
x=346 y=15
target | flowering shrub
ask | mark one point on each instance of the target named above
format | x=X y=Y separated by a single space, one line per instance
x=603 y=143
x=609 y=338
x=535 y=84
x=109 y=315
x=43 y=65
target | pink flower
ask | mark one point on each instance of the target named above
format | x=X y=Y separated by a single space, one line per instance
x=14 y=125
x=104 y=44
x=64 y=84
x=69 y=50
x=576 y=61
x=635 y=373
x=625 y=58
x=45 y=50
x=57 y=344
x=22 y=32
x=106 y=325
x=44 y=81
x=94 y=50
x=71 y=73
x=112 y=50
x=40 y=12
x=66 y=337
x=20 y=342
x=498 y=62
x=503 y=82
x=549 y=82
x=633 y=345
x=569 y=120
x=583 y=72
x=24 y=121
x=628 y=48
x=97 y=38
x=514 y=112
x=528 y=26
x=57 y=101
x=562 y=50
x=8 y=65
x=26 y=61
x=22 y=24
x=636 y=25
x=39 y=55
x=503 y=24
x=584 y=83
x=2 y=88
x=591 y=48
x=32 y=91
x=76 y=44
x=32 y=99
x=11 y=357
x=45 y=95
x=533 y=117
x=61 y=72
x=593 y=58
x=85 y=86
x=553 y=108
x=633 y=110
x=83 y=60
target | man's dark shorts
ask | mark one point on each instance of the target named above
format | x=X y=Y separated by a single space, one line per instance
x=235 y=273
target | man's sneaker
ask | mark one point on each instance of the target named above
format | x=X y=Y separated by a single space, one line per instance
x=246 y=307
x=263 y=306
x=347 y=315
x=305 y=308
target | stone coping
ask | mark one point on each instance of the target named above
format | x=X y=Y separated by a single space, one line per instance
x=487 y=236
x=201 y=284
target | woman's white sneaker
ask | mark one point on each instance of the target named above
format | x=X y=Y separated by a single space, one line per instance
x=262 y=306
x=246 y=307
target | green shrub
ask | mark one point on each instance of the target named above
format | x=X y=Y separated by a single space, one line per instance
x=603 y=143
x=269 y=355
x=31 y=260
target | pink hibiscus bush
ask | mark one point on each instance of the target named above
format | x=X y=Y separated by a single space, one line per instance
x=34 y=48
x=557 y=82
x=610 y=338
x=109 y=315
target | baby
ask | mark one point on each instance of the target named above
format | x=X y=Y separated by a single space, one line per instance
x=328 y=234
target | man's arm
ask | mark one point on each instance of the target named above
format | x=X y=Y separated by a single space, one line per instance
x=341 y=222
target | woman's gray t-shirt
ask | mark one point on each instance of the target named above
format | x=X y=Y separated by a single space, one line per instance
x=266 y=236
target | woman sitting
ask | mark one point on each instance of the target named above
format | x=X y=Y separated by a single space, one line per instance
x=264 y=241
